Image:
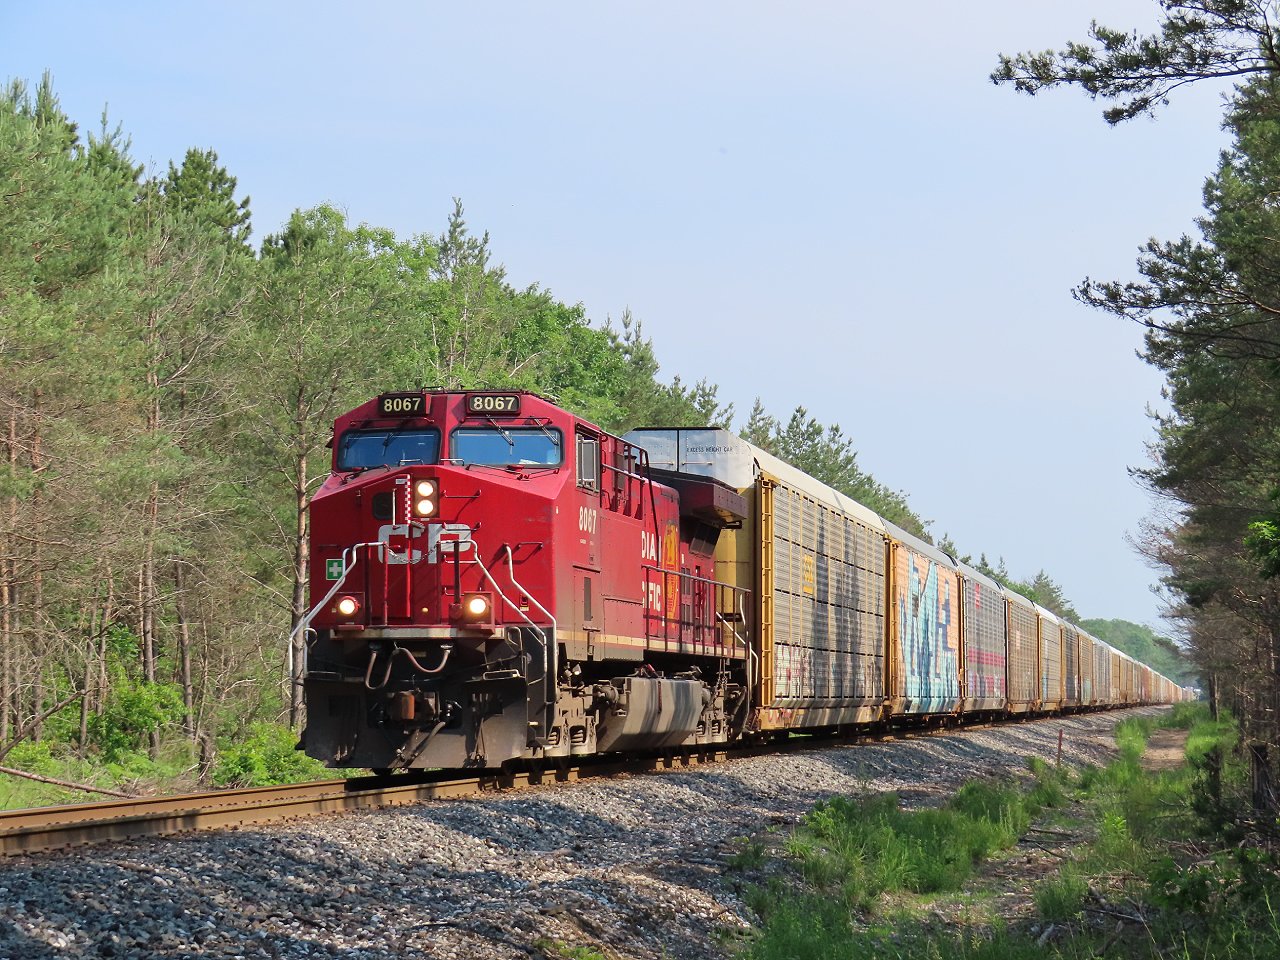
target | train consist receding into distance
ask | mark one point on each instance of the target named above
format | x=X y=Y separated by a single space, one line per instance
x=495 y=580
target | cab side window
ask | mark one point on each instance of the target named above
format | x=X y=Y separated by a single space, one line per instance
x=588 y=462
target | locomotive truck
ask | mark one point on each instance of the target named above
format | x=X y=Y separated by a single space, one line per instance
x=497 y=581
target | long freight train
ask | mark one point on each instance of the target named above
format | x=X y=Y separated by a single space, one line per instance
x=497 y=580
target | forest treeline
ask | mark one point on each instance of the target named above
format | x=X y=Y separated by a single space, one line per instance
x=1209 y=302
x=166 y=395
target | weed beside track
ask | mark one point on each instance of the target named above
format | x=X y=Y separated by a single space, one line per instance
x=1142 y=857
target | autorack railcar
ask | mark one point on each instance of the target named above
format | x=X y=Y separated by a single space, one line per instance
x=495 y=580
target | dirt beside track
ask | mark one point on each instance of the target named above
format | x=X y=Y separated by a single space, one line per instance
x=635 y=867
x=1166 y=750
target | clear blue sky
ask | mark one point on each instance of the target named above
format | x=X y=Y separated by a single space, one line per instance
x=824 y=204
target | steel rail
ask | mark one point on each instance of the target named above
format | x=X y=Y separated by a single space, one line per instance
x=58 y=827
x=44 y=829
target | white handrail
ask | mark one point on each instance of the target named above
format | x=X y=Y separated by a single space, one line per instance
x=548 y=658
x=305 y=622
x=555 y=642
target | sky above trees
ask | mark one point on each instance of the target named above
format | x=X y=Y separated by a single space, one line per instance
x=828 y=205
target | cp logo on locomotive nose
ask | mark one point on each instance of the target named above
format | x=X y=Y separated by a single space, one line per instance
x=404 y=532
x=441 y=538
x=447 y=538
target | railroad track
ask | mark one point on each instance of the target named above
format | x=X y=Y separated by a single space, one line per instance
x=58 y=827
x=72 y=825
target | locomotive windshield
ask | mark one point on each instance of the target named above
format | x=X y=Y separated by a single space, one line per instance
x=497 y=446
x=362 y=449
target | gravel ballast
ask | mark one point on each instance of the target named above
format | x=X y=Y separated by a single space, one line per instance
x=634 y=867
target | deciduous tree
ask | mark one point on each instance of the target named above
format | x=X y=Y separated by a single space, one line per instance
x=319 y=328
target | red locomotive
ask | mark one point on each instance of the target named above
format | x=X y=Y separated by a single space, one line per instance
x=495 y=578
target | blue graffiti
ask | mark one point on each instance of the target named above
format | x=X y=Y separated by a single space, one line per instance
x=930 y=662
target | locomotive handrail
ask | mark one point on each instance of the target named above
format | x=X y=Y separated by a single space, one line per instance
x=647 y=483
x=742 y=615
x=305 y=622
x=554 y=646
x=699 y=626
x=549 y=657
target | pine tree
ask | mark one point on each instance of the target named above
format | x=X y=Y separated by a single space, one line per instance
x=1197 y=40
x=205 y=191
x=1209 y=306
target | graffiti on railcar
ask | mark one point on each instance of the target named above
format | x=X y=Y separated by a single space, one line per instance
x=930 y=641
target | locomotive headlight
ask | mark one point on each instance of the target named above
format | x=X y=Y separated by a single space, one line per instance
x=426 y=499
x=348 y=606
x=476 y=607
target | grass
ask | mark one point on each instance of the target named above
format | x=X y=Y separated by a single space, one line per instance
x=1062 y=897
x=263 y=755
x=751 y=855
x=853 y=849
x=849 y=852
x=130 y=772
x=1150 y=867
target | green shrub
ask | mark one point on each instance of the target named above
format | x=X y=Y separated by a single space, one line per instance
x=1116 y=844
x=1223 y=907
x=750 y=855
x=998 y=946
x=762 y=900
x=995 y=803
x=806 y=928
x=1116 y=777
x=33 y=757
x=1184 y=716
x=1233 y=883
x=860 y=848
x=265 y=756
x=568 y=952
x=1208 y=735
x=134 y=710
x=1131 y=736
